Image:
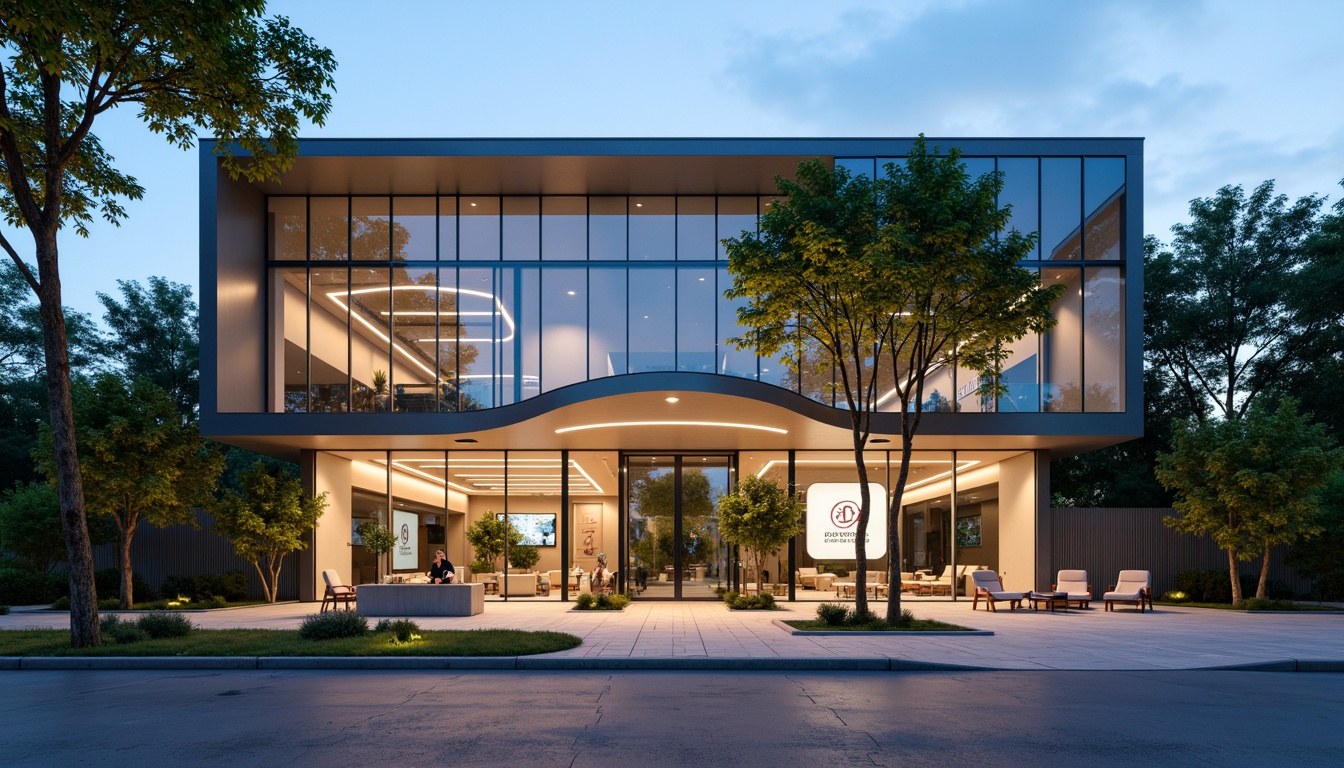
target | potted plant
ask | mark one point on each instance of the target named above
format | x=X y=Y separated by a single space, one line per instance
x=523 y=556
x=380 y=397
x=379 y=540
x=760 y=517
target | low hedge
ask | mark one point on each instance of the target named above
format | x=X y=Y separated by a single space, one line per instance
x=20 y=587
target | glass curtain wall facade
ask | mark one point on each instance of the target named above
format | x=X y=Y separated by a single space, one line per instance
x=446 y=304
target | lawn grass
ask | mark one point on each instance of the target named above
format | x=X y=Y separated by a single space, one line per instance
x=286 y=642
x=1231 y=607
x=918 y=625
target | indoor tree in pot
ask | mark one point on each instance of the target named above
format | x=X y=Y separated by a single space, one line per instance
x=379 y=540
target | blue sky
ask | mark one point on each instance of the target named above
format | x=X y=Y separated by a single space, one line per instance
x=1224 y=91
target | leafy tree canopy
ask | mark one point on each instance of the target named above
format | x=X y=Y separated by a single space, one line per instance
x=760 y=517
x=156 y=334
x=266 y=519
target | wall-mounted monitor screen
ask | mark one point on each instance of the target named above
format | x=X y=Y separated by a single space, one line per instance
x=538 y=529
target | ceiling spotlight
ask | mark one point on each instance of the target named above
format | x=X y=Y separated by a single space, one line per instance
x=879 y=440
x=570 y=293
x=465 y=440
x=673 y=399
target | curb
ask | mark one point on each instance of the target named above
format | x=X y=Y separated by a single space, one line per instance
x=842 y=633
x=576 y=663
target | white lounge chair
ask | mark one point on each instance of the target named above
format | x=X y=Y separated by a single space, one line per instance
x=989 y=586
x=336 y=591
x=1075 y=584
x=1132 y=587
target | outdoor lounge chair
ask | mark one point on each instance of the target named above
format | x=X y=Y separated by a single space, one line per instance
x=1075 y=584
x=989 y=586
x=336 y=591
x=1134 y=587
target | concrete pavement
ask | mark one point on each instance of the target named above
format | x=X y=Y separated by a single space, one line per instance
x=707 y=635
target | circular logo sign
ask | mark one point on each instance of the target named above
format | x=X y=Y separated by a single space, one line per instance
x=405 y=534
x=845 y=514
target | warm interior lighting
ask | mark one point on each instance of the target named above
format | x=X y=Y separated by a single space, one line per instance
x=673 y=399
x=730 y=425
x=962 y=466
x=536 y=475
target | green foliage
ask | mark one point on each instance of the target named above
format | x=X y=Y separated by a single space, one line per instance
x=859 y=617
x=231 y=586
x=332 y=625
x=1263 y=604
x=30 y=525
x=266 y=519
x=589 y=602
x=523 y=556
x=653 y=494
x=487 y=536
x=1249 y=483
x=155 y=334
x=1236 y=305
x=1321 y=558
x=377 y=537
x=404 y=630
x=585 y=601
x=865 y=278
x=140 y=461
x=832 y=614
x=758 y=602
x=21 y=587
x=1215 y=586
x=760 y=517
x=482 y=566
x=4 y=610
x=167 y=624
x=108 y=582
x=121 y=632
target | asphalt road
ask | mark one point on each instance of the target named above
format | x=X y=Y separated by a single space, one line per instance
x=641 y=719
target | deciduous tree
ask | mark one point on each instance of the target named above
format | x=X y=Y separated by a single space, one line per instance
x=760 y=517
x=1249 y=483
x=155 y=334
x=139 y=461
x=266 y=519
x=217 y=64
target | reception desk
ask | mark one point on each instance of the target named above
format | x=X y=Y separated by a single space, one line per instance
x=420 y=599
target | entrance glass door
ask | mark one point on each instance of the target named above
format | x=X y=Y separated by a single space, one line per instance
x=674 y=550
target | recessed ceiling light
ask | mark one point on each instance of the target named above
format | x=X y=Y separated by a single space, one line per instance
x=465 y=440
x=473 y=205
x=570 y=293
x=702 y=279
x=639 y=205
x=879 y=440
x=730 y=425
x=673 y=399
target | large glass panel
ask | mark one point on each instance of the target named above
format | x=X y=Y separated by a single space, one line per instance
x=857 y=166
x=1061 y=207
x=1104 y=201
x=564 y=337
x=447 y=228
x=736 y=216
x=527 y=311
x=370 y=235
x=564 y=228
x=969 y=397
x=828 y=485
x=938 y=389
x=328 y=227
x=1021 y=190
x=816 y=376
x=413 y=231
x=652 y=348
x=594 y=522
x=926 y=524
x=776 y=570
x=480 y=321
x=607 y=319
x=369 y=301
x=415 y=315
x=461 y=343
x=532 y=509
x=695 y=320
x=977 y=166
x=732 y=361
x=1104 y=339
x=695 y=228
x=289 y=340
x=1063 y=343
x=1020 y=376
x=478 y=229
x=287 y=228
x=703 y=480
x=522 y=229
x=652 y=524
x=476 y=487
x=420 y=516
x=653 y=228
x=330 y=342
x=607 y=228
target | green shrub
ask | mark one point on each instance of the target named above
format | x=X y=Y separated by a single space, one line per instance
x=857 y=618
x=4 y=610
x=620 y=601
x=60 y=604
x=121 y=632
x=1264 y=604
x=108 y=583
x=1214 y=586
x=328 y=626
x=20 y=587
x=231 y=586
x=730 y=599
x=603 y=603
x=832 y=614
x=907 y=619
x=585 y=601
x=110 y=604
x=749 y=602
x=404 y=629
x=213 y=601
x=167 y=624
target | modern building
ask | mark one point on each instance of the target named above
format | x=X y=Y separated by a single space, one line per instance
x=441 y=330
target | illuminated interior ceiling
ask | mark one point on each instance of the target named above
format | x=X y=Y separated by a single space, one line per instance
x=485 y=475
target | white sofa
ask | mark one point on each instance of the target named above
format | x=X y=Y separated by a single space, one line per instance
x=518 y=585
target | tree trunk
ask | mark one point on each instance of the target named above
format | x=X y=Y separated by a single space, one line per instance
x=1236 y=579
x=1264 y=575
x=277 y=562
x=265 y=587
x=84 y=630
x=894 y=537
x=861 y=530
x=124 y=549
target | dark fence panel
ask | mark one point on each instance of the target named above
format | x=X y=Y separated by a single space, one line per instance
x=181 y=550
x=1106 y=541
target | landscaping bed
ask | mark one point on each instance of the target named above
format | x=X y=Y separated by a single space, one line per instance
x=918 y=625
x=1266 y=606
x=287 y=642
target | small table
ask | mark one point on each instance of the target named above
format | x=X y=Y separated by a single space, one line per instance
x=1049 y=599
